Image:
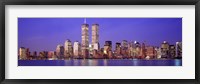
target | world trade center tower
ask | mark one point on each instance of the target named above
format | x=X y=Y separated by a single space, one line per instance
x=95 y=36
x=85 y=40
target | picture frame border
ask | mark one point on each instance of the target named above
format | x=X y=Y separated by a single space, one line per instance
x=3 y=3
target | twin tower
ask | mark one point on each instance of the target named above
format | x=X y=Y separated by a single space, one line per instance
x=85 y=38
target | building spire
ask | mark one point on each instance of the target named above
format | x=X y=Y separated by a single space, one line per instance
x=85 y=20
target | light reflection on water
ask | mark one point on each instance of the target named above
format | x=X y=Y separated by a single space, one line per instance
x=101 y=62
x=177 y=62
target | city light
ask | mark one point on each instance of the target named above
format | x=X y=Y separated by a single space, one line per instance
x=122 y=50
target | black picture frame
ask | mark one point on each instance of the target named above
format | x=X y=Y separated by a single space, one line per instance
x=98 y=2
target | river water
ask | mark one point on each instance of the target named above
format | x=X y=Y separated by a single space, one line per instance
x=101 y=62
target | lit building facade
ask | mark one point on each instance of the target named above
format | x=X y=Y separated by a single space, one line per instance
x=108 y=49
x=22 y=53
x=165 y=49
x=60 y=51
x=101 y=53
x=158 y=52
x=124 y=48
x=118 y=49
x=68 y=52
x=28 y=53
x=178 y=50
x=96 y=46
x=131 y=49
x=90 y=51
x=85 y=40
x=150 y=52
x=143 y=50
x=95 y=54
x=50 y=54
x=124 y=44
x=172 y=51
x=43 y=55
x=77 y=49
x=137 y=48
x=95 y=35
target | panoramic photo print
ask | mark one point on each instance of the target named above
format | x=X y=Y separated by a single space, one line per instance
x=99 y=41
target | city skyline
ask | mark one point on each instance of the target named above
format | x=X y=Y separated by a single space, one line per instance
x=44 y=34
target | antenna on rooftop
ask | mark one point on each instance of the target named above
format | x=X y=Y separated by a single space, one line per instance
x=85 y=20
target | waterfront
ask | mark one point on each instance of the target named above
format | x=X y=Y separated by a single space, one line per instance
x=101 y=38
x=102 y=62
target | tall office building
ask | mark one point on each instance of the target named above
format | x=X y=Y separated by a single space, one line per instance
x=95 y=36
x=22 y=53
x=124 y=44
x=54 y=56
x=27 y=53
x=137 y=48
x=50 y=55
x=43 y=55
x=60 y=51
x=172 y=51
x=143 y=50
x=158 y=52
x=96 y=46
x=68 y=49
x=107 y=47
x=90 y=51
x=85 y=39
x=131 y=48
x=77 y=49
x=165 y=49
x=124 y=48
x=178 y=50
x=150 y=52
x=118 y=49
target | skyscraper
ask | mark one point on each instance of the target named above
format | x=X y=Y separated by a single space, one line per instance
x=85 y=39
x=143 y=50
x=68 y=49
x=118 y=49
x=137 y=48
x=77 y=49
x=27 y=53
x=150 y=51
x=178 y=50
x=131 y=49
x=95 y=35
x=60 y=51
x=108 y=49
x=158 y=52
x=96 y=46
x=50 y=55
x=172 y=51
x=124 y=44
x=43 y=55
x=165 y=49
x=22 y=53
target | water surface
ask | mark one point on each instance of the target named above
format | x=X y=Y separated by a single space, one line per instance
x=101 y=62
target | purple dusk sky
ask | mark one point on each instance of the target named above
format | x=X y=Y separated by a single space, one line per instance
x=44 y=34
